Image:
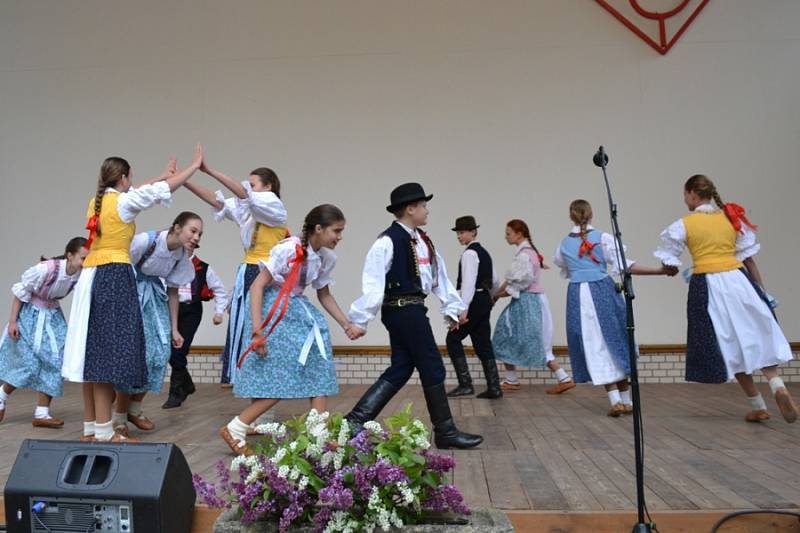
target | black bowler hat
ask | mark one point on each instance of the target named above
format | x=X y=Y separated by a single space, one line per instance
x=406 y=194
x=466 y=223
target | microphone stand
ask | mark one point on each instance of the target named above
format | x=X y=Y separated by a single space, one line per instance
x=601 y=160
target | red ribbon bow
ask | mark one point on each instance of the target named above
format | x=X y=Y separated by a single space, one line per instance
x=290 y=282
x=586 y=249
x=737 y=215
x=91 y=225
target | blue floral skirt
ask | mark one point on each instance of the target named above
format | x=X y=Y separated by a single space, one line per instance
x=282 y=373
x=115 y=348
x=517 y=338
x=34 y=360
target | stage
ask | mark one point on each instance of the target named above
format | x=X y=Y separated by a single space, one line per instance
x=543 y=456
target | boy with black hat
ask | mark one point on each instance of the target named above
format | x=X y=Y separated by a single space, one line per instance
x=476 y=280
x=401 y=268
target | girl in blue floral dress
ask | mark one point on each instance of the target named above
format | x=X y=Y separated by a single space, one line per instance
x=293 y=357
x=32 y=346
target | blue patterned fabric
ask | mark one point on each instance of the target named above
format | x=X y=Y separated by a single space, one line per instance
x=583 y=269
x=157 y=332
x=240 y=315
x=610 y=308
x=517 y=338
x=34 y=360
x=279 y=374
x=115 y=347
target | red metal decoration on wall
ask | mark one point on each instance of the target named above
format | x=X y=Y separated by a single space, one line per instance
x=664 y=44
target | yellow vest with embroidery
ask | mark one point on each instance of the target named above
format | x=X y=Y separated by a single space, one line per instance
x=114 y=243
x=712 y=242
x=264 y=238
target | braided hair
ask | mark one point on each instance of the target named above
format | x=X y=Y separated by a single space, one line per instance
x=519 y=226
x=580 y=212
x=111 y=171
x=703 y=187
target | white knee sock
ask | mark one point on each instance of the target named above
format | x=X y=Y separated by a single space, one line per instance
x=511 y=376
x=625 y=396
x=103 y=432
x=757 y=403
x=88 y=428
x=135 y=408
x=42 y=411
x=614 y=397
x=3 y=396
x=238 y=429
x=775 y=384
x=119 y=419
x=562 y=375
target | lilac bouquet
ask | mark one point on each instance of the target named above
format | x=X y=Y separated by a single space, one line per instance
x=313 y=471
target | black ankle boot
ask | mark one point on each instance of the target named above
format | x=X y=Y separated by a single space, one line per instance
x=188 y=384
x=493 y=389
x=370 y=405
x=445 y=433
x=464 y=379
x=177 y=391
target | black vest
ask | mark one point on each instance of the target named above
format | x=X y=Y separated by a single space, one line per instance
x=403 y=277
x=485 y=278
x=200 y=290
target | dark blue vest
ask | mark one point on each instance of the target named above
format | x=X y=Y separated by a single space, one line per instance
x=485 y=278
x=403 y=276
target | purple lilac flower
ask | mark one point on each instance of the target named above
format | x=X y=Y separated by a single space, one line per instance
x=321 y=518
x=208 y=493
x=361 y=442
x=388 y=473
x=444 y=498
x=438 y=463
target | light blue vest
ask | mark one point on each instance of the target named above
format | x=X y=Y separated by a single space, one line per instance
x=582 y=269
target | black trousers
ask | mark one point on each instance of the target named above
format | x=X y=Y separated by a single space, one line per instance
x=478 y=328
x=189 y=317
x=413 y=346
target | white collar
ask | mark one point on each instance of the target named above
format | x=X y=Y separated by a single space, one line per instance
x=523 y=244
x=706 y=208
x=577 y=229
x=411 y=231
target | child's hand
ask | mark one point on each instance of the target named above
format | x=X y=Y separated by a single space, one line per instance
x=353 y=332
x=13 y=330
x=177 y=339
x=172 y=167
x=197 y=160
x=217 y=320
x=462 y=318
x=452 y=325
x=669 y=270
x=259 y=344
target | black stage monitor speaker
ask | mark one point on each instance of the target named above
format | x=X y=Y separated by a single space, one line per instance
x=77 y=487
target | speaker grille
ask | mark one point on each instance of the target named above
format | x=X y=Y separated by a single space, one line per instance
x=65 y=517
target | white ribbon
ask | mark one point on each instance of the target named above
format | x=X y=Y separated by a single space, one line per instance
x=314 y=334
x=42 y=327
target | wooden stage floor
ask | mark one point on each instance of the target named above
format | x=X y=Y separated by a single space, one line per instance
x=541 y=452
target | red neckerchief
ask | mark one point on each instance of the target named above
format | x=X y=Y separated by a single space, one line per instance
x=290 y=282
x=586 y=249
x=737 y=215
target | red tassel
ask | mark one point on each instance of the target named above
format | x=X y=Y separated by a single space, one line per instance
x=91 y=225
x=586 y=249
x=737 y=215
x=292 y=278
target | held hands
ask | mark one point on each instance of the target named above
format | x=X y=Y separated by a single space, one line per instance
x=197 y=159
x=171 y=169
x=353 y=332
x=668 y=270
x=259 y=344
x=177 y=339
x=462 y=318
x=13 y=330
x=217 y=320
x=452 y=325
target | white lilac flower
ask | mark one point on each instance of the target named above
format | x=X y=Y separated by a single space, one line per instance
x=327 y=458
x=344 y=433
x=338 y=458
x=373 y=427
x=313 y=450
x=303 y=483
x=255 y=474
x=237 y=461
x=421 y=442
x=383 y=519
x=374 y=499
x=275 y=429
x=293 y=446
x=279 y=455
x=419 y=425
x=395 y=519
x=283 y=471
x=406 y=492
x=294 y=473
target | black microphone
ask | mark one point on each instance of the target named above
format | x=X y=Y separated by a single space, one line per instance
x=600 y=158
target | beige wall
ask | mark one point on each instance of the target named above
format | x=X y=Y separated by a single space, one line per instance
x=497 y=107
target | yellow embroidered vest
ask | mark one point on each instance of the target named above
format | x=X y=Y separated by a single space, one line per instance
x=712 y=242
x=264 y=238
x=114 y=243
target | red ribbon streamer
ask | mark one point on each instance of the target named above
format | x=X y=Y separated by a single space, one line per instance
x=290 y=282
x=586 y=249
x=737 y=215
x=91 y=225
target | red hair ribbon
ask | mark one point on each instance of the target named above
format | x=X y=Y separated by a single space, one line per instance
x=91 y=225
x=737 y=215
x=586 y=249
x=290 y=282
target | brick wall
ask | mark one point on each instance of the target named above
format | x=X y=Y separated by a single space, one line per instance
x=656 y=367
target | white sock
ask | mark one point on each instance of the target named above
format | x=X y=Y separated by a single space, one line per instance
x=42 y=411
x=757 y=403
x=88 y=428
x=238 y=429
x=119 y=419
x=135 y=408
x=562 y=375
x=625 y=396
x=775 y=384
x=614 y=397
x=3 y=394
x=103 y=432
x=511 y=376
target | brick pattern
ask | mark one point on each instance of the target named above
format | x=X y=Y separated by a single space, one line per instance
x=365 y=369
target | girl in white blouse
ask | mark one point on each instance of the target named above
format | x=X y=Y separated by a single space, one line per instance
x=32 y=346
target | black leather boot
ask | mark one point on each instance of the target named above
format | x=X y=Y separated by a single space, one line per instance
x=493 y=389
x=177 y=388
x=445 y=433
x=370 y=405
x=464 y=379
x=188 y=384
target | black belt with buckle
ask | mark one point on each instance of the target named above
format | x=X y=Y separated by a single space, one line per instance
x=403 y=301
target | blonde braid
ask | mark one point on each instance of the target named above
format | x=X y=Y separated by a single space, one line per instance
x=718 y=200
x=98 y=203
